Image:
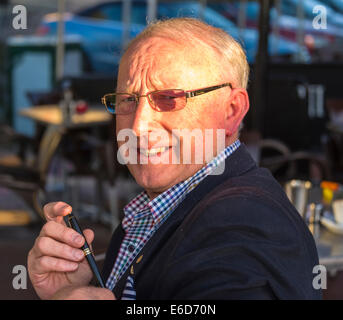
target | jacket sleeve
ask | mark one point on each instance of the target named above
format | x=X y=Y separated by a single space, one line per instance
x=239 y=249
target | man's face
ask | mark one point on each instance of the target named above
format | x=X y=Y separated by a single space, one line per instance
x=157 y=64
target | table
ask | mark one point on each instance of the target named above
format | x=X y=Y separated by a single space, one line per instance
x=52 y=114
x=330 y=250
x=329 y=244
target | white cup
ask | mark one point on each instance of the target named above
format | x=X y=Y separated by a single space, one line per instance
x=337 y=206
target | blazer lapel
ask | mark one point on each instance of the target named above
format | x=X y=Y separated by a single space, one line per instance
x=112 y=251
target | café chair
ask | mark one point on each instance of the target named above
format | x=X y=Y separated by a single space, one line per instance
x=86 y=154
x=113 y=184
x=270 y=150
x=301 y=165
x=16 y=145
x=334 y=150
x=29 y=180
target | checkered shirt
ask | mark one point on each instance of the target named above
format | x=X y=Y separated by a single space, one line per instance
x=142 y=216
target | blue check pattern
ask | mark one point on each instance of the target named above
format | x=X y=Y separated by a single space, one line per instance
x=143 y=217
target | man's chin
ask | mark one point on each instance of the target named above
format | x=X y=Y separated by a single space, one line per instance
x=154 y=181
x=153 y=186
x=161 y=177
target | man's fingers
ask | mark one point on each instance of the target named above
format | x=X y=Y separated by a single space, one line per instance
x=46 y=264
x=83 y=293
x=46 y=246
x=62 y=233
x=65 y=234
x=56 y=210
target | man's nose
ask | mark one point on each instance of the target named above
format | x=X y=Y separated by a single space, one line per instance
x=145 y=117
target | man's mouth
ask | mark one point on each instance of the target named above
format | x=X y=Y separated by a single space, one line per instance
x=153 y=151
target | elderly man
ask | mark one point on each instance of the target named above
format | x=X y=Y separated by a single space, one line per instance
x=196 y=232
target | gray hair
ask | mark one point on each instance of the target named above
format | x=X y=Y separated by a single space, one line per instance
x=233 y=57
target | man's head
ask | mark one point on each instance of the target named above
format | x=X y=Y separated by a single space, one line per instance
x=181 y=53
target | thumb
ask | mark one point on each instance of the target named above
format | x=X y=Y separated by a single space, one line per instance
x=54 y=211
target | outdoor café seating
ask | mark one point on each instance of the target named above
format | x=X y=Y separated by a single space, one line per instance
x=28 y=180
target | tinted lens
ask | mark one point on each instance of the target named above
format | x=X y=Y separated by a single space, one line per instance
x=121 y=103
x=168 y=100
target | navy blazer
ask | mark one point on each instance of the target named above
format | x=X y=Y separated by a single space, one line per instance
x=235 y=236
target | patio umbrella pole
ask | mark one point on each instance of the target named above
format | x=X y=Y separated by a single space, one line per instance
x=300 y=30
x=60 y=41
x=126 y=19
x=152 y=9
x=242 y=19
x=260 y=81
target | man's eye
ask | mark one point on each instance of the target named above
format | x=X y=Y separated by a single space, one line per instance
x=128 y=99
x=167 y=97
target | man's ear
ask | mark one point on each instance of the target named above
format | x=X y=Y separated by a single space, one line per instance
x=236 y=109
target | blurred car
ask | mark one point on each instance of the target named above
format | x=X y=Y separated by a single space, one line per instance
x=102 y=30
x=287 y=24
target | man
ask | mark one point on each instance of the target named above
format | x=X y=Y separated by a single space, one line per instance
x=195 y=232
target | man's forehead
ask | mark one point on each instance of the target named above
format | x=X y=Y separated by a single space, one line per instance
x=165 y=59
x=152 y=43
x=155 y=50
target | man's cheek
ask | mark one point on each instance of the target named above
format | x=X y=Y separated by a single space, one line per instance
x=127 y=147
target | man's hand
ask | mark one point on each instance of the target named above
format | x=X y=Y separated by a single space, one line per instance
x=83 y=293
x=56 y=260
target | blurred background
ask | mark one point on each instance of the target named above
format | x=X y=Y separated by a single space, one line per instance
x=59 y=57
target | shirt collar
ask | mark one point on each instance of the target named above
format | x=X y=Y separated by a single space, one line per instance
x=159 y=207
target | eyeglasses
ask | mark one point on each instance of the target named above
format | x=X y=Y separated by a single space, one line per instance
x=160 y=100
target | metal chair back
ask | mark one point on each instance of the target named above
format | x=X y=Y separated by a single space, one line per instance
x=49 y=143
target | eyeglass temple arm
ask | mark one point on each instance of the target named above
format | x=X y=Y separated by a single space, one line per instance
x=190 y=94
